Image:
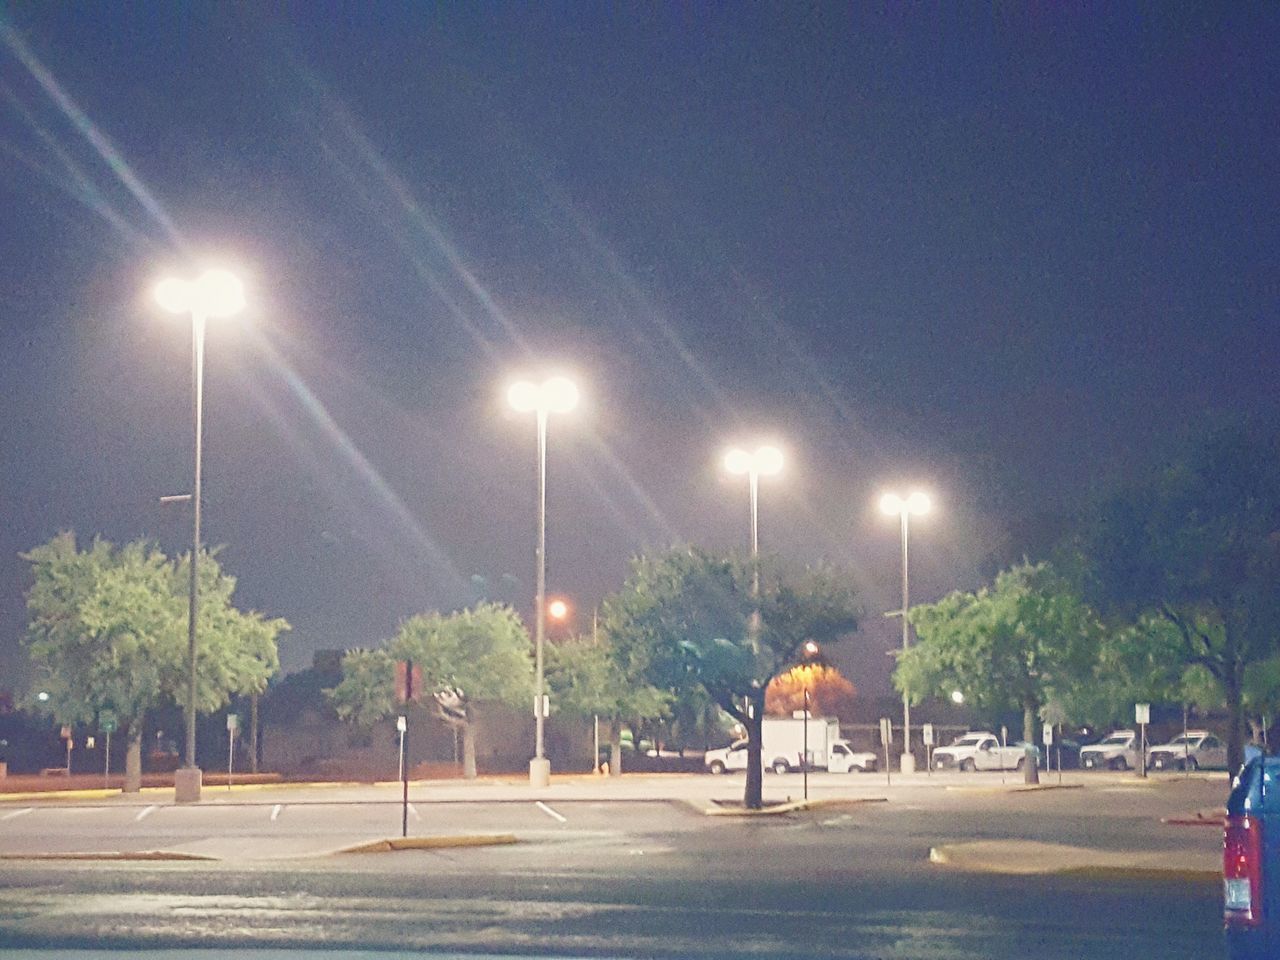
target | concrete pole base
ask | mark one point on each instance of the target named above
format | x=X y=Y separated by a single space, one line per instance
x=539 y=772
x=907 y=763
x=186 y=784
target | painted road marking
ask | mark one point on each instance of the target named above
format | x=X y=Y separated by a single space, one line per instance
x=146 y=812
x=414 y=811
x=16 y=813
x=551 y=813
x=275 y=811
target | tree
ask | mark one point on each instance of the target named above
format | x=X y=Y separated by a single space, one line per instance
x=587 y=680
x=830 y=694
x=1014 y=645
x=1197 y=544
x=480 y=654
x=689 y=617
x=108 y=635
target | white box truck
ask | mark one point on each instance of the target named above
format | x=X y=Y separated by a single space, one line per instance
x=782 y=747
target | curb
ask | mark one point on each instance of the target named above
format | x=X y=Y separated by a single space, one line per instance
x=1015 y=788
x=791 y=806
x=392 y=844
x=117 y=855
x=1040 y=864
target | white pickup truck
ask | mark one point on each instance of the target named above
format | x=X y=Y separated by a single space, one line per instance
x=1116 y=751
x=978 y=751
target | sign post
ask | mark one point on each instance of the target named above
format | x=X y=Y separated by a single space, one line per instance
x=233 y=726
x=402 y=724
x=107 y=724
x=1048 y=742
x=927 y=732
x=1004 y=742
x=408 y=680
x=1142 y=716
x=886 y=739
x=66 y=735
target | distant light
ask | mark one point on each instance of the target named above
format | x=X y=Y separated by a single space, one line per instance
x=557 y=609
x=215 y=293
x=765 y=461
x=917 y=503
x=42 y=696
x=555 y=395
x=891 y=504
x=810 y=648
x=957 y=696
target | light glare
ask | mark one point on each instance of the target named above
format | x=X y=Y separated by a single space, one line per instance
x=919 y=503
x=737 y=461
x=891 y=504
x=768 y=461
x=174 y=295
x=559 y=395
x=219 y=293
x=523 y=396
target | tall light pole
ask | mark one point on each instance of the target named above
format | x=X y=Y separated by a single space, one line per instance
x=917 y=503
x=215 y=294
x=554 y=395
x=763 y=461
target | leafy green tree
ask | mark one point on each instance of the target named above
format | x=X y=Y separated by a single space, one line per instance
x=1197 y=544
x=480 y=654
x=587 y=680
x=689 y=617
x=108 y=635
x=1017 y=645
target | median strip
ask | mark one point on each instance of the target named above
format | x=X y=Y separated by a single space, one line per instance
x=791 y=806
x=1029 y=857
x=108 y=855
x=431 y=843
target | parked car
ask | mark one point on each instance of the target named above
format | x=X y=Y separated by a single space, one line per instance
x=1191 y=751
x=979 y=750
x=1118 y=750
x=1251 y=863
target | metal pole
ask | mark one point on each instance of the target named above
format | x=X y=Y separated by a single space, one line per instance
x=193 y=601
x=404 y=760
x=231 y=755
x=106 y=771
x=540 y=615
x=804 y=764
x=906 y=700
x=253 y=732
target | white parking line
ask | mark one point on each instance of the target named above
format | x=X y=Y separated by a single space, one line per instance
x=551 y=813
x=16 y=813
x=146 y=812
x=414 y=811
x=275 y=811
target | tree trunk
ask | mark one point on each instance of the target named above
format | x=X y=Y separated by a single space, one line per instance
x=1233 y=687
x=133 y=759
x=753 y=796
x=469 y=750
x=615 y=748
x=1030 y=767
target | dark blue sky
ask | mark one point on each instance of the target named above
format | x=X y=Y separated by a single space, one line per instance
x=999 y=254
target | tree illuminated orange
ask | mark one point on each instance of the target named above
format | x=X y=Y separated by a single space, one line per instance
x=830 y=693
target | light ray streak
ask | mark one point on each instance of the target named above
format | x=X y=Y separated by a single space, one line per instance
x=364 y=468
x=86 y=127
x=81 y=188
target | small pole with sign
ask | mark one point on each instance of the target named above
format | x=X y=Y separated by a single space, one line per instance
x=107 y=724
x=886 y=739
x=804 y=762
x=409 y=694
x=233 y=725
x=927 y=731
x=66 y=735
x=1142 y=716
x=1004 y=742
x=402 y=724
x=1047 y=736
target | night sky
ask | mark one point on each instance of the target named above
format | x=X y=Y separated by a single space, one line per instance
x=999 y=255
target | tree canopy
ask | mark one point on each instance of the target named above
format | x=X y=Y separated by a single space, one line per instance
x=830 y=693
x=108 y=632
x=688 y=617
x=1197 y=544
x=479 y=654
x=1012 y=646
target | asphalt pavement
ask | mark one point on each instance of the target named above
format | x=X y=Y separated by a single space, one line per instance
x=633 y=866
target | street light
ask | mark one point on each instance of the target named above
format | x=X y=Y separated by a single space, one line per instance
x=554 y=395
x=917 y=503
x=215 y=294
x=763 y=462
x=558 y=610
